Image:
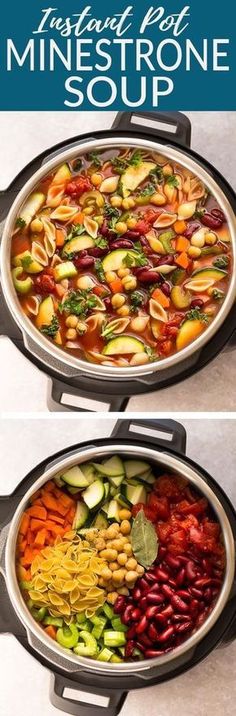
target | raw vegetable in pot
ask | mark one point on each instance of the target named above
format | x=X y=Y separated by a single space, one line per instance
x=117 y=562
x=118 y=247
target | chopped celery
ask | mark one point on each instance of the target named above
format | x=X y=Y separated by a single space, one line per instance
x=114 y=638
x=55 y=621
x=108 y=611
x=99 y=624
x=68 y=636
x=117 y=624
x=89 y=647
x=26 y=585
x=115 y=659
x=86 y=626
x=105 y=655
x=80 y=618
x=39 y=614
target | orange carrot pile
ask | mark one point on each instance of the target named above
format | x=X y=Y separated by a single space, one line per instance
x=50 y=514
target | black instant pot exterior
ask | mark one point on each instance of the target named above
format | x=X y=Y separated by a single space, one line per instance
x=116 y=392
x=172 y=441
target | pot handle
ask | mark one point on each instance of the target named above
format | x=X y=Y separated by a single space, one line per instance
x=84 y=708
x=177 y=120
x=59 y=389
x=164 y=433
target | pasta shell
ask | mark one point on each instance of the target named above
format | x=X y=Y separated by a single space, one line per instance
x=64 y=213
x=117 y=326
x=109 y=185
x=165 y=219
x=96 y=357
x=156 y=327
x=199 y=285
x=32 y=305
x=157 y=311
x=186 y=210
x=100 y=305
x=196 y=189
x=49 y=236
x=39 y=254
x=94 y=322
x=170 y=192
x=91 y=227
x=165 y=269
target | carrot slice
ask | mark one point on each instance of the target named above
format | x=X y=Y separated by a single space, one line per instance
x=159 y=296
x=50 y=502
x=36 y=525
x=182 y=260
x=40 y=538
x=180 y=227
x=49 y=486
x=24 y=525
x=116 y=286
x=51 y=631
x=182 y=244
x=37 y=511
x=55 y=518
x=60 y=237
x=77 y=218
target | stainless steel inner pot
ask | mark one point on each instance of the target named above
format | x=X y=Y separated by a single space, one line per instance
x=63 y=358
x=35 y=634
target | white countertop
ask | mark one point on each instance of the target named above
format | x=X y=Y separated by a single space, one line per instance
x=23 y=135
x=207 y=690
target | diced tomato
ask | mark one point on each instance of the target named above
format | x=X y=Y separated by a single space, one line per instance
x=148 y=511
x=137 y=508
x=190 y=521
x=167 y=486
x=44 y=284
x=163 y=531
x=142 y=227
x=166 y=347
x=159 y=505
x=178 y=542
x=151 y=215
x=196 y=508
x=212 y=529
x=196 y=536
x=78 y=186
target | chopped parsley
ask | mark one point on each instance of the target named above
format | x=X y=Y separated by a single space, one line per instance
x=198 y=213
x=95 y=159
x=137 y=299
x=111 y=211
x=150 y=353
x=136 y=158
x=196 y=314
x=101 y=243
x=77 y=165
x=52 y=329
x=76 y=230
x=156 y=175
x=148 y=190
x=78 y=302
x=20 y=223
x=119 y=164
x=217 y=294
x=172 y=181
x=221 y=262
x=99 y=270
x=139 y=260
x=112 y=223
x=26 y=261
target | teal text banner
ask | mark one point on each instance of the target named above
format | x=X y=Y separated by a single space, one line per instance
x=113 y=55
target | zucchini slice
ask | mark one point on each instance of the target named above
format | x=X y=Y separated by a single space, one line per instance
x=123 y=345
x=133 y=176
x=115 y=259
x=113 y=511
x=94 y=494
x=75 y=477
x=46 y=313
x=100 y=522
x=79 y=243
x=113 y=467
x=212 y=272
x=81 y=516
x=136 y=494
x=134 y=468
x=88 y=471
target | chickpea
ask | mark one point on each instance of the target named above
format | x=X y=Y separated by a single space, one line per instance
x=81 y=328
x=128 y=203
x=88 y=210
x=210 y=238
x=84 y=282
x=125 y=514
x=112 y=597
x=194 y=252
x=158 y=199
x=113 y=566
x=120 y=227
x=111 y=532
x=123 y=591
x=118 y=544
x=96 y=179
x=117 y=300
x=102 y=534
x=116 y=527
x=125 y=527
x=101 y=582
x=129 y=283
x=109 y=554
x=71 y=334
x=128 y=549
x=198 y=241
x=100 y=544
x=131 y=223
x=71 y=321
x=123 y=311
x=140 y=570
x=106 y=574
x=118 y=576
x=123 y=272
x=122 y=559
x=139 y=359
x=131 y=564
x=116 y=201
x=36 y=226
x=124 y=540
x=110 y=276
x=131 y=577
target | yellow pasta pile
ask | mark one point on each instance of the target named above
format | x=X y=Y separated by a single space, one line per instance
x=65 y=578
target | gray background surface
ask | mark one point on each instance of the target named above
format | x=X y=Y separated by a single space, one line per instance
x=207 y=690
x=23 y=135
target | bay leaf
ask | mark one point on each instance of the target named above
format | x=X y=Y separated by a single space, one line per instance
x=144 y=540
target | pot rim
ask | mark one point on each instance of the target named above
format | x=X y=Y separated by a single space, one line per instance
x=179 y=466
x=60 y=355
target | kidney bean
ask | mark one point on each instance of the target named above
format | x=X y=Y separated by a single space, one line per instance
x=172 y=583
x=167 y=612
x=119 y=604
x=152 y=632
x=144 y=640
x=207 y=566
x=108 y=303
x=182 y=628
x=183 y=559
x=162 y=574
x=126 y=616
x=215 y=582
x=85 y=263
x=136 y=594
x=207 y=596
x=190 y=571
x=162 y=551
x=180 y=618
x=166 y=634
x=215 y=593
x=172 y=561
x=196 y=592
x=143 y=584
x=152 y=653
x=148 y=276
x=129 y=648
x=219 y=214
x=197 y=303
x=167 y=591
x=203 y=582
x=166 y=288
x=194 y=606
x=153 y=598
x=142 y=625
x=200 y=619
x=184 y=594
x=131 y=632
x=211 y=221
x=191 y=228
x=178 y=603
x=121 y=244
x=180 y=577
x=132 y=235
x=140 y=646
x=152 y=611
x=143 y=603
x=167 y=259
x=150 y=577
x=136 y=614
x=82 y=255
x=217 y=572
x=97 y=253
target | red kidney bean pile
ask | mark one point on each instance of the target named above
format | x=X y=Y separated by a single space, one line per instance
x=169 y=603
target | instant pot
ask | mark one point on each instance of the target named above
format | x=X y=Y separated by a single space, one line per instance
x=163 y=444
x=73 y=378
